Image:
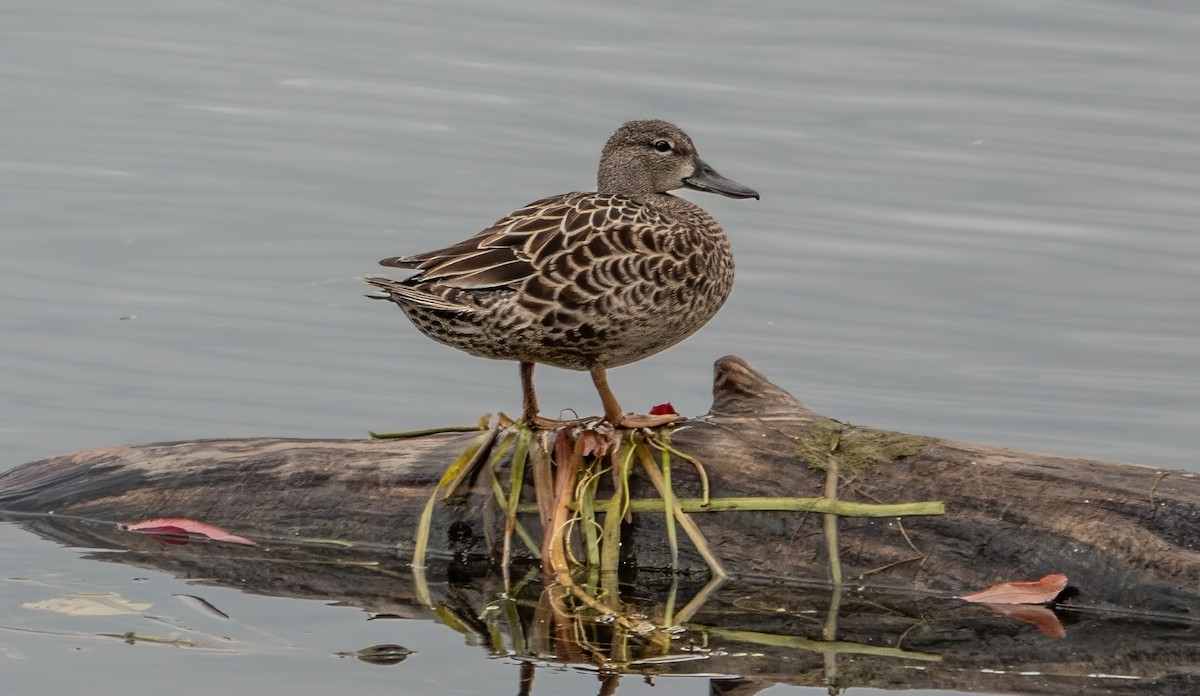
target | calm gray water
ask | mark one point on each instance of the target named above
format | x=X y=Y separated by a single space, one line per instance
x=979 y=221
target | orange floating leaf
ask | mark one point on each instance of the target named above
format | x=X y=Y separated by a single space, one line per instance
x=1039 y=592
x=664 y=410
x=180 y=530
x=1042 y=617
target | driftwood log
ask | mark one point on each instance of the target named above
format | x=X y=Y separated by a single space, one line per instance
x=1128 y=537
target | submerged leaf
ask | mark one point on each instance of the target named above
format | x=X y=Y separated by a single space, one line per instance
x=1038 y=592
x=133 y=638
x=386 y=654
x=203 y=605
x=90 y=604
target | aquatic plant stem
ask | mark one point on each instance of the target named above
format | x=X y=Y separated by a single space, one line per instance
x=663 y=442
x=516 y=482
x=585 y=493
x=427 y=431
x=470 y=458
x=820 y=505
x=831 y=525
x=543 y=487
x=499 y=495
x=833 y=546
x=669 y=510
x=685 y=521
x=614 y=514
x=821 y=646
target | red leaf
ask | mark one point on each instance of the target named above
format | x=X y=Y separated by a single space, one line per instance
x=1040 y=592
x=664 y=410
x=1042 y=617
x=181 y=529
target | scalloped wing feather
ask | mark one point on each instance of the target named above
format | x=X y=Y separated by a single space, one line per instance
x=518 y=247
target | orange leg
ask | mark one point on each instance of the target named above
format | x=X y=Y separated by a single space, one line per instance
x=529 y=409
x=612 y=409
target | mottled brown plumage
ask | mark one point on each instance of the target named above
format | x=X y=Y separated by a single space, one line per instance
x=583 y=281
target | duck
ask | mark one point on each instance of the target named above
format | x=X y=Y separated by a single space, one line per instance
x=584 y=281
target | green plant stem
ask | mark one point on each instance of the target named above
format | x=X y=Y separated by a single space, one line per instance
x=426 y=431
x=614 y=513
x=498 y=494
x=466 y=461
x=836 y=507
x=663 y=442
x=689 y=527
x=516 y=482
x=585 y=493
x=668 y=495
x=831 y=527
x=821 y=646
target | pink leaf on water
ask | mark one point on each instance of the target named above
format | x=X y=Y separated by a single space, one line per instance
x=1038 y=592
x=182 y=530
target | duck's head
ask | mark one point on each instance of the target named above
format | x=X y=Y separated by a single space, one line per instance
x=656 y=157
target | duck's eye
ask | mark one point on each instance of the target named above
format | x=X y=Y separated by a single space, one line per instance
x=662 y=145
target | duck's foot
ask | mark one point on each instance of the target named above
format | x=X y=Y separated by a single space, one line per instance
x=550 y=424
x=632 y=421
x=628 y=421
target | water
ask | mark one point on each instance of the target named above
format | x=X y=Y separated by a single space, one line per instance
x=978 y=219
x=262 y=645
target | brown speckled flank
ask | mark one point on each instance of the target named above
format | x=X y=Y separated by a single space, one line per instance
x=584 y=281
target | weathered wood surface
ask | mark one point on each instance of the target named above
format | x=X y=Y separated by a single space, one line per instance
x=1127 y=536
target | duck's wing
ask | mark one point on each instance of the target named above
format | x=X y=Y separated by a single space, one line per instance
x=518 y=246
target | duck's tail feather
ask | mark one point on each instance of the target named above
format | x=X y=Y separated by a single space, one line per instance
x=401 y=261
x=402 y=294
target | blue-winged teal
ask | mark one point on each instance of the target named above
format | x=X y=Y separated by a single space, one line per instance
x=584 y=281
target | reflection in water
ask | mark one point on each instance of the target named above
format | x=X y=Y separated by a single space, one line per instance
x=731 y=632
